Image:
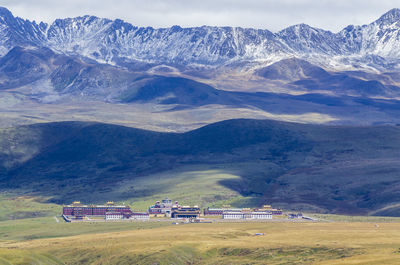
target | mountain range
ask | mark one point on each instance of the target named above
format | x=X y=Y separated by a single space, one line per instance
x=375 y=45
x=347 y=77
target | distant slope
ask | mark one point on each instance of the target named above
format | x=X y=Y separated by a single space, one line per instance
x=20 y=67
x=51 y=74
x=291 y=70
x=302 y=75
x=318 y=168
x=175 y=90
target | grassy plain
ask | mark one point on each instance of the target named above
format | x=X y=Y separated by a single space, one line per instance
x=216 y=243
x=336 y=239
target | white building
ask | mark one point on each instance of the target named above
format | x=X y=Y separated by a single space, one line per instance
x=164 y=207
x=114 y=216
x=261 y=215
x=232 y=215
x=139 y=216
x=247 y=215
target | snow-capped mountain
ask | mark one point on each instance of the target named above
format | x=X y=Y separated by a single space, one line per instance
x=376 y=45
x=381 y=38
x=108 y=41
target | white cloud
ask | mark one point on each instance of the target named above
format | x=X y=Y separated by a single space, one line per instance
x=266 y=14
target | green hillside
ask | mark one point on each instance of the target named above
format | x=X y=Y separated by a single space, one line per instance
x=351 y=170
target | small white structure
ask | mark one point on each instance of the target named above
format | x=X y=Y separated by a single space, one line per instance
x=114 y=216
x=139 y=216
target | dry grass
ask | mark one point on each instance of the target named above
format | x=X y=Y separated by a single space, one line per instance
x=283 y=243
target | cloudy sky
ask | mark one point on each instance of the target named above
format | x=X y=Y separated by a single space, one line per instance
x=265 y=14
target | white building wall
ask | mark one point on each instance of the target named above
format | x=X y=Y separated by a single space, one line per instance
x=232 y=216
x=140 y=217
x=262 y=216
x=114 y=216
x=248 y=216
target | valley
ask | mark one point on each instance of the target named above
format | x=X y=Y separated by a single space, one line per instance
x=96 y=110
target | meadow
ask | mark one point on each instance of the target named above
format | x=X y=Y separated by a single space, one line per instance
x=217 y=243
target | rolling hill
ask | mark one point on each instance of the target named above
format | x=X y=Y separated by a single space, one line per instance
x=337 y=169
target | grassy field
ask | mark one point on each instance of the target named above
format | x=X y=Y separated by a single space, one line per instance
x=217 y=243
x=13 y=206
x=348 y=218
x=47 y=227
x=190 y=185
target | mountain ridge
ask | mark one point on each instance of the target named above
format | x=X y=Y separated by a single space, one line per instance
x=112 y=41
